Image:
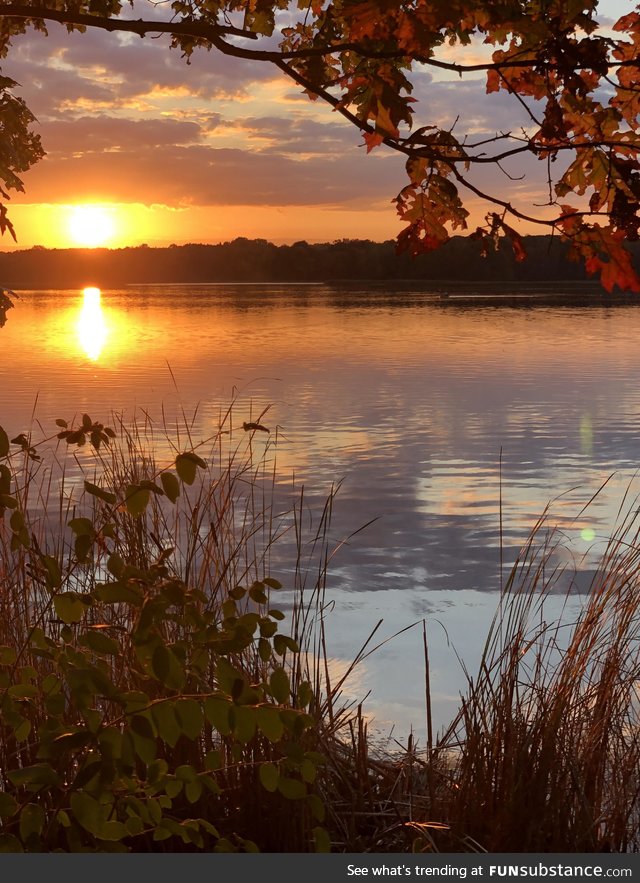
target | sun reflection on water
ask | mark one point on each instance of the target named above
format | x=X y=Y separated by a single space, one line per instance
x=92 y=327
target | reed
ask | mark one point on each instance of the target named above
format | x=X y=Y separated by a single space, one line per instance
x=546 y=742
x=544 y=752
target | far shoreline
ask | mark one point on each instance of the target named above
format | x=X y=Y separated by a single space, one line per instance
x=457 y=266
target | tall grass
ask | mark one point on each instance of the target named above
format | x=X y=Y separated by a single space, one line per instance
x=546 y=743
x=544 y=752
x=160 y=690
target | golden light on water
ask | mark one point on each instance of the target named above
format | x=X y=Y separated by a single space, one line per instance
x=92 y=327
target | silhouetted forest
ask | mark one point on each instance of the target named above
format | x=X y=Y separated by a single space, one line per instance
x=246 y=260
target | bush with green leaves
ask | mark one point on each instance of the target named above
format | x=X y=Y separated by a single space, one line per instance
x=148 y=699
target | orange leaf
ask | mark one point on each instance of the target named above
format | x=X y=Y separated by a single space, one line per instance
x=372 y=139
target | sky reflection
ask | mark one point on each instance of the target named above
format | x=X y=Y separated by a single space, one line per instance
x=433 y=417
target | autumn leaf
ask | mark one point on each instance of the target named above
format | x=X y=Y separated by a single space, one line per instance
x=372 y=139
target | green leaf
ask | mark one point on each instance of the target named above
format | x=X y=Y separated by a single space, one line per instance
x=186 y=468
x=272 y=583
x=321 y=839
x=99 y=492
x=173 y=787
x=137 y=499
x=82 y=527
x=270 y=723
x=190 y=718
x=258 y=594
x=69 y=607
x=268 y=774
x=8 y=805
x=86 y=811
x=5 y=479
x=167 y=668
x=9 y=843
x=161 y=833
x=114 y=593
x=135 y=700
x=53 y=571
x=279 y=684
x=160 y=662
x=5 y=447
x=186 y=773
x=16 y=521
x=282 y=643
x=146 y=749
x=112 y=831
x=208 y=827
x=134 y=825
x=100 y=643
x=267 y=628
x=115 y=565
x=32 y=820
x=148 y=485
x=37 y=774
x=189 y=462
x=292 y=789
x=8 y=655
x=22 y=731
x=228 y=675
x=213 y=760
x=170 y=485
x=142 y=726
x=165 y=720
x=157 y=770
x=244 y=720
x=23 y=691
x=308 y=770
x=305 y=694
x=82 y=547
x=193 y=790
x=217 y=713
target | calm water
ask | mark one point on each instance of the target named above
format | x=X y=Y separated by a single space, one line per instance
x=408 y=399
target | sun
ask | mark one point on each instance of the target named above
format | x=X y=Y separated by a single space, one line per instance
x=91 y=225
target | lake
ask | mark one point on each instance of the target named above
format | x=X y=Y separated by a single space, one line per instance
x=434 y=414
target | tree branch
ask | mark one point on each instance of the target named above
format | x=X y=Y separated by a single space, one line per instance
x=185 y=28
x=213 y=32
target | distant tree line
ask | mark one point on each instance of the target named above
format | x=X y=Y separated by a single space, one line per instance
x=256 y=260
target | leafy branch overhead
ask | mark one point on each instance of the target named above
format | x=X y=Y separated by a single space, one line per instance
x=576 y=81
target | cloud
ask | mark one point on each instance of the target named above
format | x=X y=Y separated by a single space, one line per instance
x=298 y=133
x=62 y=68
x=125 y=119
x=202 y=175
x=103 y=133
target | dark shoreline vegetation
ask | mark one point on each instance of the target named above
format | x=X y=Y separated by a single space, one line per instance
x=245 y=260
x=158 y=696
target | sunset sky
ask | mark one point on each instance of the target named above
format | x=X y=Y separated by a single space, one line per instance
x=167 y=152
